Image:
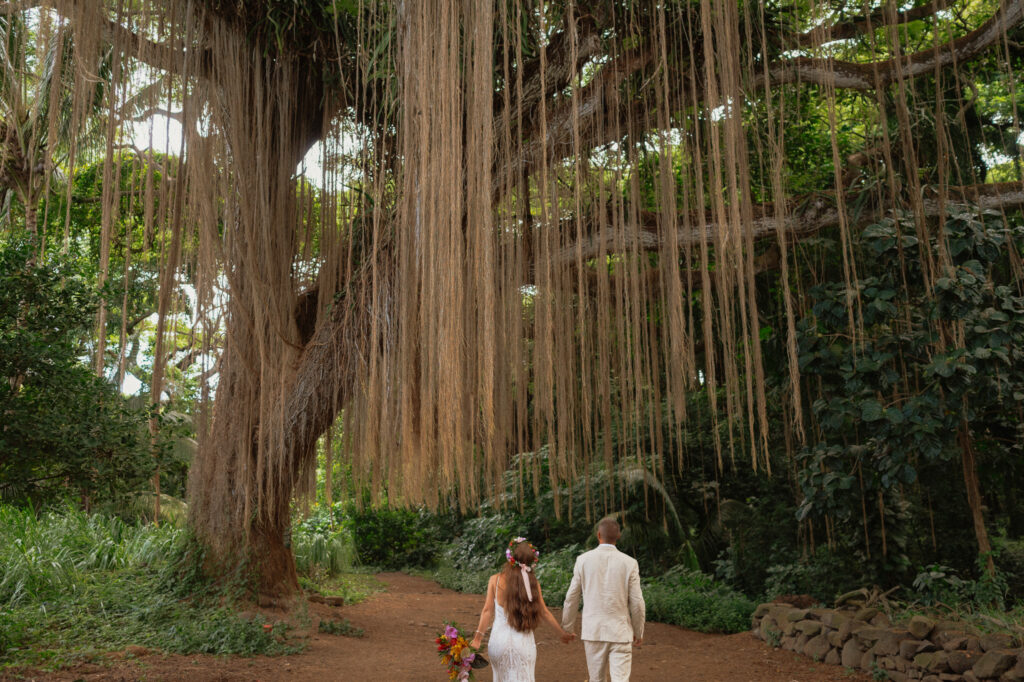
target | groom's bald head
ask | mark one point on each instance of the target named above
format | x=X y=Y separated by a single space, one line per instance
x=608 y=530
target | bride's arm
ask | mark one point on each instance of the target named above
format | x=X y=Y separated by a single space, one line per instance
x=487 y=615
x=550 y=619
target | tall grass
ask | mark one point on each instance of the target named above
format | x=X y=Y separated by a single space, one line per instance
x=74 y=585
x=46 y=555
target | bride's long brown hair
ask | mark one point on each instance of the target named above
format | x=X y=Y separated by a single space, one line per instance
x=521 y=613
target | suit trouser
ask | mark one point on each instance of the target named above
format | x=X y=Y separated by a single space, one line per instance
x=608 y=660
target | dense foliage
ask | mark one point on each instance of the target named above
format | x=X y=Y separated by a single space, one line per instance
x=75 y=585
x=65 y=432
x=894 y=414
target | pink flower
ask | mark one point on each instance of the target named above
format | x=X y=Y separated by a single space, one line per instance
x=450 y=632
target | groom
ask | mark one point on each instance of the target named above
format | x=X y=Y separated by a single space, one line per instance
x=613 y=606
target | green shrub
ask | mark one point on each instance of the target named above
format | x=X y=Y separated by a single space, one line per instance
x=938 y=583
x=554 y=572
x=823 y=575
x=694 y=600
x=450 y=577
x=1009 y=559
x=394 y=538
x=481 y=542
x=333 y=551
x=478 y=552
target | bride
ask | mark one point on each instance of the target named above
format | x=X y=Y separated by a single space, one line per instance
x=515 y=603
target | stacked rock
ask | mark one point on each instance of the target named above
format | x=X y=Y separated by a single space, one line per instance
x=861 y=637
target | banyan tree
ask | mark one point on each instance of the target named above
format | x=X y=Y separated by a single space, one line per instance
x=531 y=221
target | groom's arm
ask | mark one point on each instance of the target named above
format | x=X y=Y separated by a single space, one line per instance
x=637 y=607
x=571 y=606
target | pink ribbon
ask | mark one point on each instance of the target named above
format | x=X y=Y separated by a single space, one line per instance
x=525 y=570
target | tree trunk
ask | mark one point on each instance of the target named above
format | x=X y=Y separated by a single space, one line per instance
x=32 y=220
x=974 y=495
x=322 y=383
x=271 y=111
x=270 y=544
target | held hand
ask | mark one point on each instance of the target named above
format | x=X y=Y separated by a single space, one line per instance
x=477 y=641
x=568 y=637
x=638 y=642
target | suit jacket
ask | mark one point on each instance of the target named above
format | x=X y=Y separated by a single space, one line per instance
x=613 y=605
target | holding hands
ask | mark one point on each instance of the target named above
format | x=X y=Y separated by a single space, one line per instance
x=478 y=638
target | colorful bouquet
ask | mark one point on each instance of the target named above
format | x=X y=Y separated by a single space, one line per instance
x=456 y=653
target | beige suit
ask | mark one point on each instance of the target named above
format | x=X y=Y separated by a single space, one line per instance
x=613 y=610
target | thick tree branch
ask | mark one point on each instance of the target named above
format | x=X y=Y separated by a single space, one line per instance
x=338 y=352
x=805 y=219
x=559 y=66
x=136 y=321
x=693 y=280
x=160 y=111
x=856 y=26
x=599 y=110
x=144 y=98
x=155 y=54
x=853 y=76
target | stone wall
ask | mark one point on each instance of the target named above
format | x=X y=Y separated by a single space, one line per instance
x=862 y=638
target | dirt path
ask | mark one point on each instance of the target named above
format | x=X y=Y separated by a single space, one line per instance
x=402 y=622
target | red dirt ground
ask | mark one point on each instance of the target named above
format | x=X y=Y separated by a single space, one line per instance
x=402 y=622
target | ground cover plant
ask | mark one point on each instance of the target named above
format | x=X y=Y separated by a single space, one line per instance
x=340 y=627
x=75 y=586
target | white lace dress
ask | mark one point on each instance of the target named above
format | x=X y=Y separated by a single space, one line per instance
x=513 y=654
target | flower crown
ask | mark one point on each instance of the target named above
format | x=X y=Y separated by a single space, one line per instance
x=512 y=546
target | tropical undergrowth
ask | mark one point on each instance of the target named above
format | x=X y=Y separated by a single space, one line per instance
x=76 y=585
x=327 y=560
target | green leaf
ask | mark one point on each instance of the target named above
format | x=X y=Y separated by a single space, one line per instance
x=894 y=415
x=871 y=410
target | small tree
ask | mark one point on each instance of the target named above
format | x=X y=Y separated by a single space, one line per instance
x=63 y=431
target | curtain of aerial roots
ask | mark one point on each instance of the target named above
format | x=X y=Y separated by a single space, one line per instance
x=548 y=302
x=225 y=210
x=531 y=312
x=531 y=301
x=254 y=107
